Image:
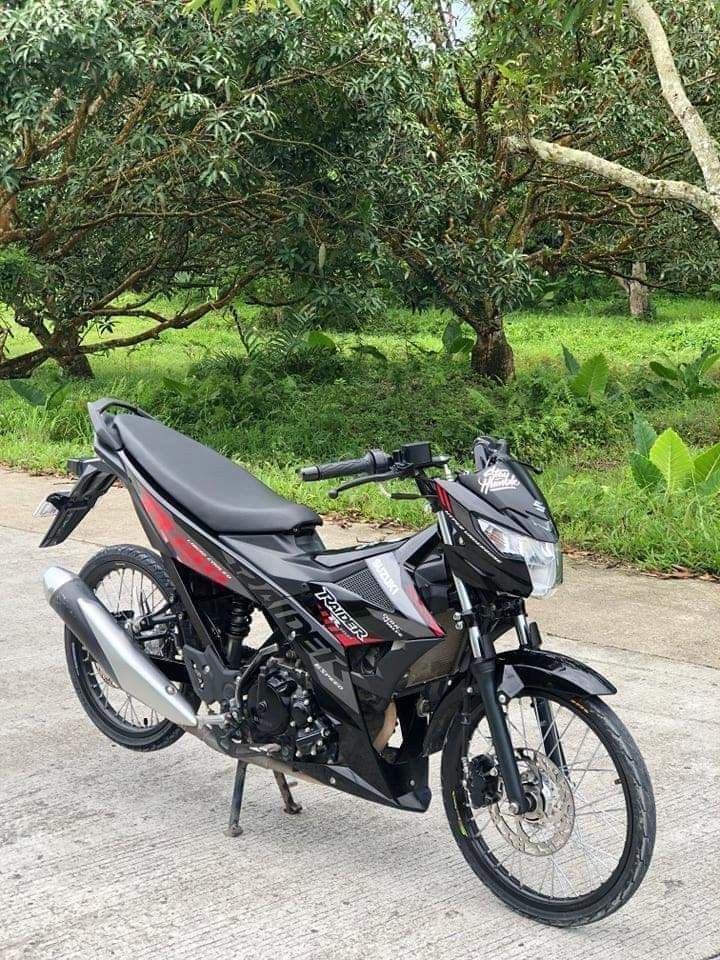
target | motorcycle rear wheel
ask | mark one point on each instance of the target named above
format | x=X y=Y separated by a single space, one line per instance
x=573 y=860
x=124 y=577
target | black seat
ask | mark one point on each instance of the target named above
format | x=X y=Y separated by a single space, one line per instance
x=217 y=492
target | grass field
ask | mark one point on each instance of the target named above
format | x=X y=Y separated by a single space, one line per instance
x=291 y=405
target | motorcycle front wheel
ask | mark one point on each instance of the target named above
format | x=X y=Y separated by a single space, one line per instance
x=583 y=849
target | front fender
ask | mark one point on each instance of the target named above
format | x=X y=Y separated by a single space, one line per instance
x=517 y=671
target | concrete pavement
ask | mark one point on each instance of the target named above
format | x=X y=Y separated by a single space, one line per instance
x=106 y=853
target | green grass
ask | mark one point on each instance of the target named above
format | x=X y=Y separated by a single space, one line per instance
x=303 y=406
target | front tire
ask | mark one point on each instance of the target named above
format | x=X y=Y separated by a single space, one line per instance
x=572 y=860
x=125 y=579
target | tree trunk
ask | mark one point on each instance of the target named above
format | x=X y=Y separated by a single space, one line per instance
x=75 y=365
x=492 y=355
x=638 y=292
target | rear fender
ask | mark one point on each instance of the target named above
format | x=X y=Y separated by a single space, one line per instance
x=94 y=479
x=518 y=671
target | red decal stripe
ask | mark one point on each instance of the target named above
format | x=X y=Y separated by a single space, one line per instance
x=443 y=498
x=423 y=610
x=344 y=638
x=183 y=548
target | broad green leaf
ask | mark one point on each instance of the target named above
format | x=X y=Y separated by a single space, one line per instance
x=709 y=362
x=673 y=460
x=576 y=13
x=320 y=340
x=370 y=351
x=29 y=394
x=646 y=474
x=451 y=333
x=710 y=487
x=56 y=398
x=478 y=397
x=571 y=364
x=461 y=345
x=591 y=379
x=645 y=436
x=667 y=373
x=706 y=470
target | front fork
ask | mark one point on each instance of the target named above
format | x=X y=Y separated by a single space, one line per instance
x=484 y=682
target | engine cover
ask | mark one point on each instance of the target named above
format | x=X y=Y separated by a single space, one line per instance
x=281 y=709
x=269 y=703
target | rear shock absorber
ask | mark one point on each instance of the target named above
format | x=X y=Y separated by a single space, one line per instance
x=238 y=628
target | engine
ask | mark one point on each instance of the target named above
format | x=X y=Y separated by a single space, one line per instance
x=280 y=708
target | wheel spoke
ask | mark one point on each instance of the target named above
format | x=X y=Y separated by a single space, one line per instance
x=551 y=851
x=127 y=592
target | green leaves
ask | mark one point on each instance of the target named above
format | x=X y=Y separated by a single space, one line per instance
x=49 y=402
x=588 y=381
x=369 y=350
x=687 y=378
x=673 y=460
x=665 y=461
x=706 y=471
x=455 y=340
x=645 y=436
x=591 y=380
x=666 y=373
x=646 y=474
x=571 y=364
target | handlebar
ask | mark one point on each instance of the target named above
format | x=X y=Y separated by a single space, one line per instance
x=374 y=461
x=376 y=467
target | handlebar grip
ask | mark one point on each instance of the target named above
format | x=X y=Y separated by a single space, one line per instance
x=343 y=468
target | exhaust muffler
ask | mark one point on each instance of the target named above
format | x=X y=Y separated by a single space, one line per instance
x=107 y=643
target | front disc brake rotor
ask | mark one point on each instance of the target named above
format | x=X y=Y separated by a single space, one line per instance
x=548 y=826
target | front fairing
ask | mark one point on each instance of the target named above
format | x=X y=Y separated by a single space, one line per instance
x=505 y=490
x=502 y=494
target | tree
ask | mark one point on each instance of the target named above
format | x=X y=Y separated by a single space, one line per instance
x=471 y=225
x=311 y=159
x=702 y=145
x=146 y=154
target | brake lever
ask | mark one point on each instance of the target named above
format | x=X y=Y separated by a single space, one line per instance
x=359 y=481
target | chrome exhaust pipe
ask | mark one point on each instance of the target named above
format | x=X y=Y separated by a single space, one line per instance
x=107 y=643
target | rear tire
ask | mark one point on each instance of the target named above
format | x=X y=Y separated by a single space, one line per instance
x=90 y=685
x=507 y=875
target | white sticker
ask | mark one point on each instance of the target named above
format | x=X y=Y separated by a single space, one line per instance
x=495 y=478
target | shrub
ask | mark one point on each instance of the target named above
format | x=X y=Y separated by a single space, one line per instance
x=665 y=461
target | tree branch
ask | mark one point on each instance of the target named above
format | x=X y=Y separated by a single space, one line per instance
x=704 y=148
x=676 y=190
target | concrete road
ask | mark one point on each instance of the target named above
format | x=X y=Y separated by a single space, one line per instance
x=106 y=853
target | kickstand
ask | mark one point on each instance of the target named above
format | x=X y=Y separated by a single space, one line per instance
x=234 y=829
x=289 y=803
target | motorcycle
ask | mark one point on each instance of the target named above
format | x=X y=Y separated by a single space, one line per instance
x=375 y=658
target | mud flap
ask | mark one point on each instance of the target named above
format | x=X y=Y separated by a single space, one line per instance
x=94 y=480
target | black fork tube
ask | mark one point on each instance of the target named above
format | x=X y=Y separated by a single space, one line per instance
x=483 y=672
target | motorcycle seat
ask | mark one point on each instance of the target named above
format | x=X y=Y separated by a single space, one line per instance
x=222 y=496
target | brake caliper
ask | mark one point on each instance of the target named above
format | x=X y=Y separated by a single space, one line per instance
x=483 y=781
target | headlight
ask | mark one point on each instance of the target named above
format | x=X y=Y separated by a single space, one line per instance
x=543 y=560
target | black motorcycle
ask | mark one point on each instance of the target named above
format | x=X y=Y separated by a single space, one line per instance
x=375 y=657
